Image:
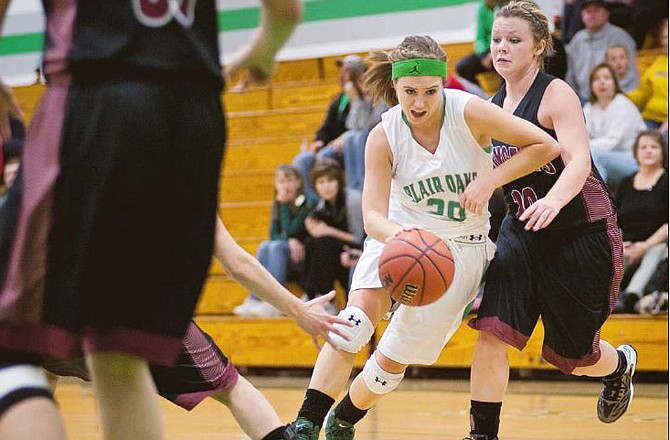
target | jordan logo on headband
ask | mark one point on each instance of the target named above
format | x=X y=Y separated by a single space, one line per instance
x=415 y=70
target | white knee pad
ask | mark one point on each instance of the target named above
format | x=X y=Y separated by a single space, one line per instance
x=378 y=380
x=19 y=382
x=359 y=333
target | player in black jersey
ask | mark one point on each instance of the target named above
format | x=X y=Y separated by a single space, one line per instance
x=559 y=251
x=131 y=125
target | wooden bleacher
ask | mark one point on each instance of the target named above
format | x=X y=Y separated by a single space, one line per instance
x=266 y=128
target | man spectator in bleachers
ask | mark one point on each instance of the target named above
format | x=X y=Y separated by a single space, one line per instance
x=588 y=47
x=328 y=141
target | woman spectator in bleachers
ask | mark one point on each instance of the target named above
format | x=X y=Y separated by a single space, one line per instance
x=335 y=222
x=642 y=209
x=363 y=115
x=652 y=95
x=283 y=254
x=329 y=141
x=612 y=122
x=618 y=57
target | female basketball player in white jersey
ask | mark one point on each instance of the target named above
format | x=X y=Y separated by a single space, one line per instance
x=419 y=160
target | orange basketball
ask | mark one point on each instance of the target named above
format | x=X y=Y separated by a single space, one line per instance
x=416 y=267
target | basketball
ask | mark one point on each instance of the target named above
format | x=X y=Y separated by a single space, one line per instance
x=416 y=267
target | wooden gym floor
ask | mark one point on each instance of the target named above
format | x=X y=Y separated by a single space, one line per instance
x=425 y=409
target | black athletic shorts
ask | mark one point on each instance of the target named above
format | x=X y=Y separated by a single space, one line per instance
x=134 y=214
x=569 y=280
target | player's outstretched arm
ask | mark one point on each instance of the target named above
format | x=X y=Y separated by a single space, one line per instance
x=245 y=269
x=278 y=19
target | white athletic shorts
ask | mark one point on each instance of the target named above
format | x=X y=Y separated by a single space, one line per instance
x=417 y=335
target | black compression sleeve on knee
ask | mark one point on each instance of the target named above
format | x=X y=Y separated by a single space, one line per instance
x=315 y=406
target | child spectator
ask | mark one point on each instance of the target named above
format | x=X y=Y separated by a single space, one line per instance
x=283 y=254
x=652 y=95
x=613 y=122
x=336 y=221
x=617 y=56
x=642 y=209
x=10 y=168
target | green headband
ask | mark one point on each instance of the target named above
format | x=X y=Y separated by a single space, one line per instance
x=419 y=67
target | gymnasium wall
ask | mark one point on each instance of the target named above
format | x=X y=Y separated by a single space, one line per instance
x=329 y=27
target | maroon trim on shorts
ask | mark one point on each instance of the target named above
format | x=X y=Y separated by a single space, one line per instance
x=43 y=339
x=502 y=330
x=156 y=349
x=216 y=370
x=188 y=401
x=567 y=366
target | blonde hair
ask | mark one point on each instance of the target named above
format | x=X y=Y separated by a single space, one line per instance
x=378 y=76
x=617 y=46
x=539 y=24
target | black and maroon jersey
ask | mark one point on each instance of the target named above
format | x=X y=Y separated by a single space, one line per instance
x=590 y=207
x=167 y=39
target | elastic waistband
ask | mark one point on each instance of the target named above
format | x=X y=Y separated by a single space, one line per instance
x=470 y=239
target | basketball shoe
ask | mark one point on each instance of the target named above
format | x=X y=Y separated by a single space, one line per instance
x=303 y=429
x=337 y=429
x=617 y=393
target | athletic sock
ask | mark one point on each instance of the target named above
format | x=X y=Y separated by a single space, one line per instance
x=315 y=406
x=276 y=434
x=485 y=418
x=348 y=412
x=621 y=367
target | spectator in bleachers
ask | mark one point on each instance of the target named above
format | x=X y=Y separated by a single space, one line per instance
x=329 y=141
x=10 y=169
x=652 y=95
x=480 y=61
x=13 y=144
x=363 y=116
x=612 y=122
x=336 y=221
x=642 y=209
x=283 y=254
x=617 y=56
x=587 y=48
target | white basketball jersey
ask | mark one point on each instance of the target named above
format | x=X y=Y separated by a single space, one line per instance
x=426 y=186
